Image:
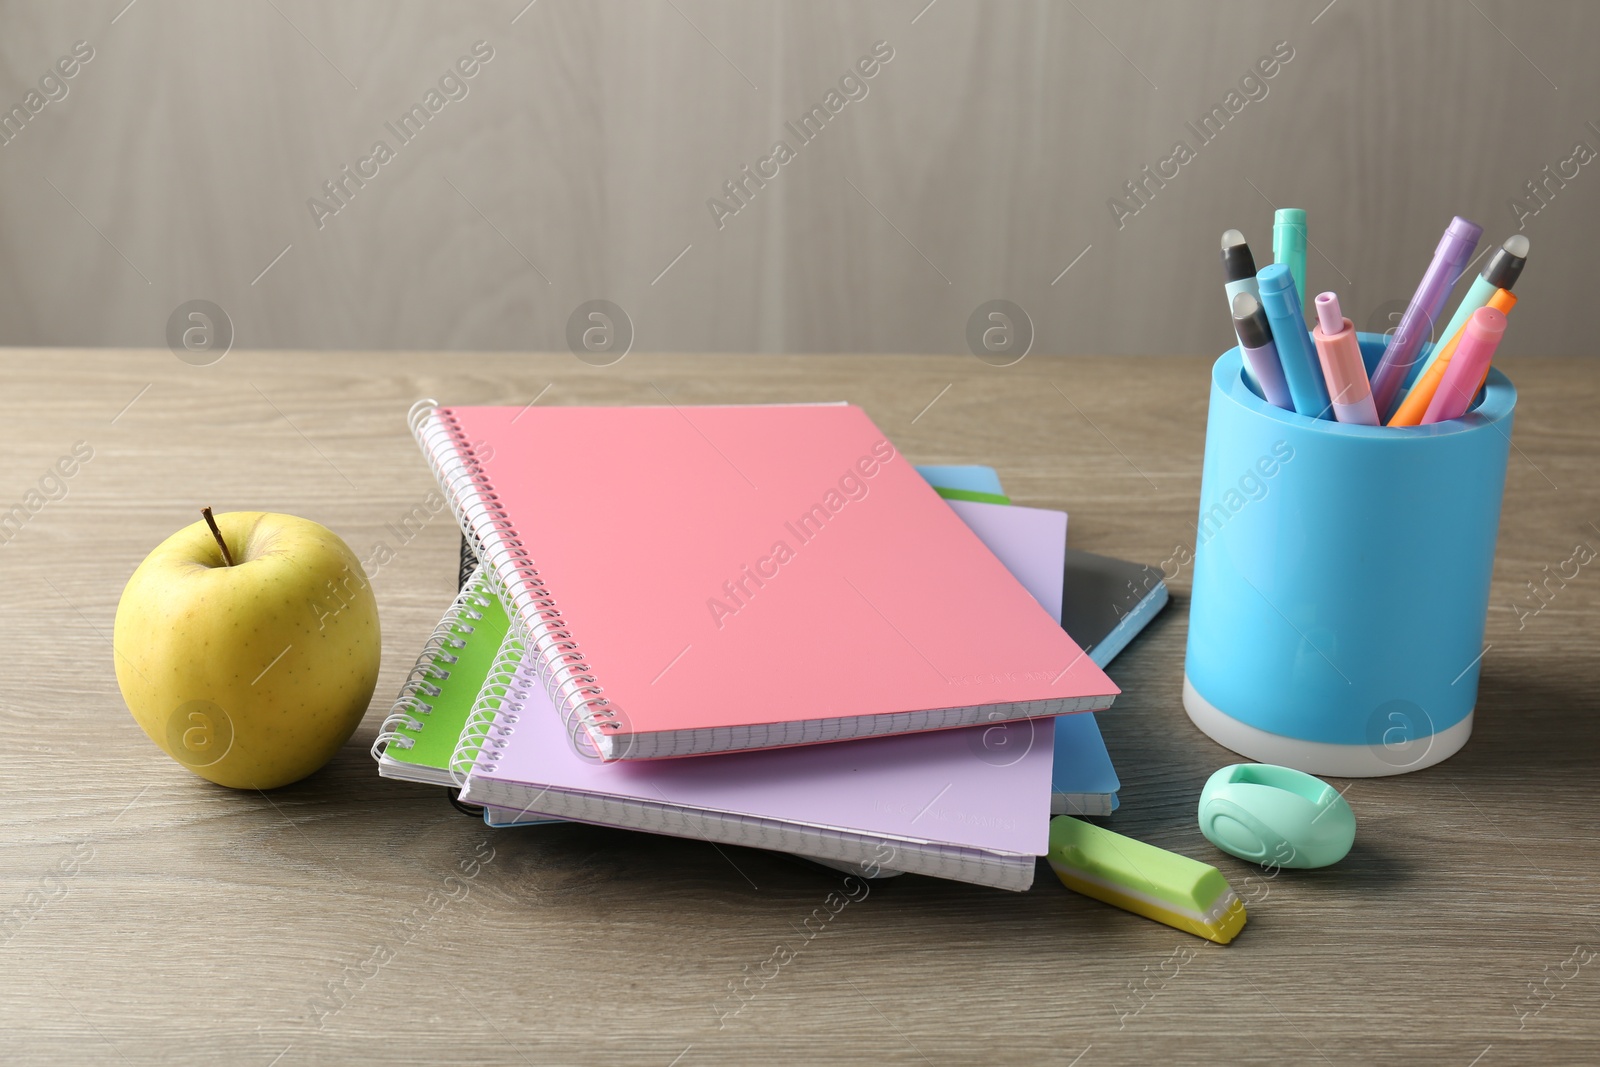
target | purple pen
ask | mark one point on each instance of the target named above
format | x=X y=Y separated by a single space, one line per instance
x=1449 y=260
x=1260 y=354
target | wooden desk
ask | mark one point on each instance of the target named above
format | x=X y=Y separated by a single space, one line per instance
x=155 y=918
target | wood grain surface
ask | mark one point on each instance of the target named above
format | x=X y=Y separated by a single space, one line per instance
x=147 y=916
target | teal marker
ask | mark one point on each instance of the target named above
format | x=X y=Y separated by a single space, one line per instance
x=1501 y=272
x=1289 y=246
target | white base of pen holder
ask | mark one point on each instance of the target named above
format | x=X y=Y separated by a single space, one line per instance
x=1387 y=756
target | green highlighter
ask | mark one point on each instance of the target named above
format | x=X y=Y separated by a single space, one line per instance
x=1183 y=893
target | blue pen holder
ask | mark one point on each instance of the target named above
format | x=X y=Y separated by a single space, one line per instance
x=1341 y=580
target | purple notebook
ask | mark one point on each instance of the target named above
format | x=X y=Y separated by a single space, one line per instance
x=1031 y=542
x=934 y=803
x=970 y=804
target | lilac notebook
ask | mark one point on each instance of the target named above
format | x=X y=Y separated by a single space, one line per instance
x=971 y=804
x=1031 y=542
x=935 y=803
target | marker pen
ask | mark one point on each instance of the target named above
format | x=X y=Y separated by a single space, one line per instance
x=1281 y=301
x=1340 y=355
x=1289 y=245
x=1479 y=338
x=1501 y=272
x=1415 y=405
x=1238 y=267
x=1239 y=276
x=1455 y=248
x=1260 y=354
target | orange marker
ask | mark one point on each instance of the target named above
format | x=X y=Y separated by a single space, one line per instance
x=1416 y=402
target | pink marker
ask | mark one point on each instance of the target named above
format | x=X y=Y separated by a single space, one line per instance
x=1342 y=368
x=1479 y=338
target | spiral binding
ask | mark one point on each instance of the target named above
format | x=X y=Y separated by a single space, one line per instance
x=494 y=714
x=432 y=666
x=536 y=621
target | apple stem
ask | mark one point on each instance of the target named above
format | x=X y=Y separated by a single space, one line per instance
x=227 y=558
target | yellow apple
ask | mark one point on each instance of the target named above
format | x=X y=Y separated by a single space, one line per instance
x=248 y=651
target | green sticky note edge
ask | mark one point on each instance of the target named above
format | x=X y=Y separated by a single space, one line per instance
x=971 y=494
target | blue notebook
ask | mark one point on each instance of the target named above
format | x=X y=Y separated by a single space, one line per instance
x=966 y=477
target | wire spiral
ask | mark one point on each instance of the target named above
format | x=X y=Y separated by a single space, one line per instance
x=494 y=714
x=558 y=662
x=439 y=654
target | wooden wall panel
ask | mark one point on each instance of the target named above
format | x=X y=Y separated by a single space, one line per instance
x=978 y=165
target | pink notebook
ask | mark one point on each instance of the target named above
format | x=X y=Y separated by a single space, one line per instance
x=707 y=579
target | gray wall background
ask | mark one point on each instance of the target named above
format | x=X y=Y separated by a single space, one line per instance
x=979 y=165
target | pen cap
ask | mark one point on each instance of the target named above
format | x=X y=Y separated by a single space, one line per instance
x=1279 y=293
x=1329 y=315
x=1277 y=280
x=1250 y=322
x=1460 y=232
x=1486 y=326
x=1237 y=262
x=1475 y=351
x=1341 y=579
x=1289 y=240
x=1505 y=266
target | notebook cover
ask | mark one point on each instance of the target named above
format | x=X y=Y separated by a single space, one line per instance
x=442 y=728
x=418 y=737
x=1107 y=601
x=1031 y=542
x=729 y=573
x=941 y=787
x=1084 y=781
x=966 y=476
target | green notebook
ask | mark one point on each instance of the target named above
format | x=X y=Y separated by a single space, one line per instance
x=421 y=731
x=975 y=495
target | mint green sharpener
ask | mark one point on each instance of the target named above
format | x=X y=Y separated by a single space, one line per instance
x=1276 y=816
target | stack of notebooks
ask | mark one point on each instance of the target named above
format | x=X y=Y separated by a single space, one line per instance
x=761 y=626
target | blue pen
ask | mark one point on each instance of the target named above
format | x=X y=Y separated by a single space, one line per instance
x=1280 y=298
